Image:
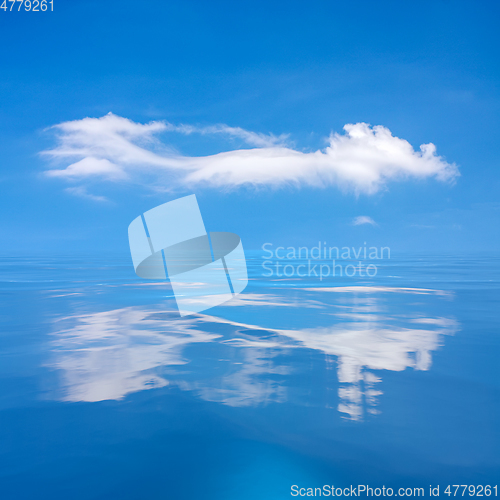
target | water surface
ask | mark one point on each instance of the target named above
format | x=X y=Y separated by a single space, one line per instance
x=105 y=392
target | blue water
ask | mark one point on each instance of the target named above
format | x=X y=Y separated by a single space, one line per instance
x=105 y=392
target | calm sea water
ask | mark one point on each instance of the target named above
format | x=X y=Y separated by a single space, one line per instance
x=105 y=392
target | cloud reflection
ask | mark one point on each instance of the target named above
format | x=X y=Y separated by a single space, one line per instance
x=107 y=355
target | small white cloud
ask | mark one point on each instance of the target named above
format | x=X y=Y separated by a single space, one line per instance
x=89 y=167
x=362 y=160
x=363 y=219
x=81 y=192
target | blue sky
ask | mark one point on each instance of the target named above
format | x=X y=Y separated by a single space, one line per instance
x=428 y=72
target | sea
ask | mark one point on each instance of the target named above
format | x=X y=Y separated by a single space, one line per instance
x=297 y=387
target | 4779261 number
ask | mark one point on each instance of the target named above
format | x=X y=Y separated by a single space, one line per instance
x=27 y=5
x=471 y=490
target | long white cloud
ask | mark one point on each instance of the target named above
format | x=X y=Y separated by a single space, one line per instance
x=363 y=159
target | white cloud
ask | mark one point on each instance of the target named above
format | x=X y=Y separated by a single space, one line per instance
x=251 y=138
x=363 y=219
x=81 y=192
x=90 y=166
x=362 y=160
